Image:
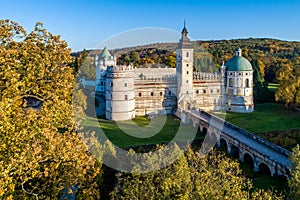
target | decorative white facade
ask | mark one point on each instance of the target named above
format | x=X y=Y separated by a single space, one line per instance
x=131 y=92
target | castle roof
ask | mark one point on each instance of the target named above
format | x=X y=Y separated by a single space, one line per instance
x=105 y=54
x=238 y=62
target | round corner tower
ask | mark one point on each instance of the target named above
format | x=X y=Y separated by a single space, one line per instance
x=120 y=98
x=239 y=84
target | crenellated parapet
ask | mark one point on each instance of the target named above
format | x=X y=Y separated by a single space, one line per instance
x=119 y=68
x=207 y=76
x=161 y=78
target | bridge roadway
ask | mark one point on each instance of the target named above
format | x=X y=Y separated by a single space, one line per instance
x=262 y=147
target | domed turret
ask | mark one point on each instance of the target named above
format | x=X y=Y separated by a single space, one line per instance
x=238 y=62
x=239 y=83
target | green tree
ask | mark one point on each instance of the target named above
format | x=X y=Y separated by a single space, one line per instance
x=40 y=151
x=289 y=88
x=170 y=61
x=135 y=58
x=87 y=68
x=191 y=176
x=260 y=88
x=294 y=181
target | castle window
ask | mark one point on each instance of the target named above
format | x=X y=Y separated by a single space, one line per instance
x=197 y=91
x=126 y=97
x=111 y=97
x=160 y=93
x=140 y=94
x=125 y=84
x=230 y=74
x=187 y=92
x=187 y=81
x=240 y=74
x=101 y=83
x=211 y=91
x=152 y=94
x=187 y=54
x=204 y=91
x=170 y=93
x=218 y=91
x=187 y=65
x=231 y=82
x=187 y=72
x=246 y=74
x=111 y=84
x=247 y=83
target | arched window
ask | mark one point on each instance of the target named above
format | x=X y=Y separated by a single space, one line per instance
x=231 y=82
x=187 y=54
x=247 y=83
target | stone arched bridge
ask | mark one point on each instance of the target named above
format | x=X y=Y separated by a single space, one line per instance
x=261 y=154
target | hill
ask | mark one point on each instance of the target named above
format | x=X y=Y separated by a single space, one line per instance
x=272 y=54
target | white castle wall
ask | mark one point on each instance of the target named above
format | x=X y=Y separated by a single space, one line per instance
x=239 y=91
x=120 y=93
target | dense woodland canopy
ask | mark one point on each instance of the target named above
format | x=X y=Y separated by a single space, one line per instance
x=42 y=155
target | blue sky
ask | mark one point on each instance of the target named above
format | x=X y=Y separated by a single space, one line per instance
x=85 y=24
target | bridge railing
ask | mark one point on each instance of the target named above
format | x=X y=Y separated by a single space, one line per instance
x=250 y=135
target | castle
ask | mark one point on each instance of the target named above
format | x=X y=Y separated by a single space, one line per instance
x=131 y=92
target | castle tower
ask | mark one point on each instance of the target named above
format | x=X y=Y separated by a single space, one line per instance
x=239 y=84
x=184 y=71
x=101 y=63
x=120 y=97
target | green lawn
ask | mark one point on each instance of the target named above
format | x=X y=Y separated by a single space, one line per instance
x=266 y=117
x=153 y=133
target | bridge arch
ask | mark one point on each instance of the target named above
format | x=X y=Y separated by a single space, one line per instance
x=235 y=151
x=248 y=159
x=198 y=127
x=223 y=144
x=204 y=130
x=230 y=136
x=264 y=169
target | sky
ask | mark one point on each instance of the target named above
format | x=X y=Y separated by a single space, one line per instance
x=89 y=24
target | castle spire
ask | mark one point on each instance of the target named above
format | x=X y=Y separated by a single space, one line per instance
x=184 y=30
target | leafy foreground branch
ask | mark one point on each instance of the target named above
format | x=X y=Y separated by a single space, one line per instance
x=40 y=152
x=190 y=177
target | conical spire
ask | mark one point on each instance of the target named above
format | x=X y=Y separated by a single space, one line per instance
x=105 y=54
x=184 y=41
x=184 y=30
